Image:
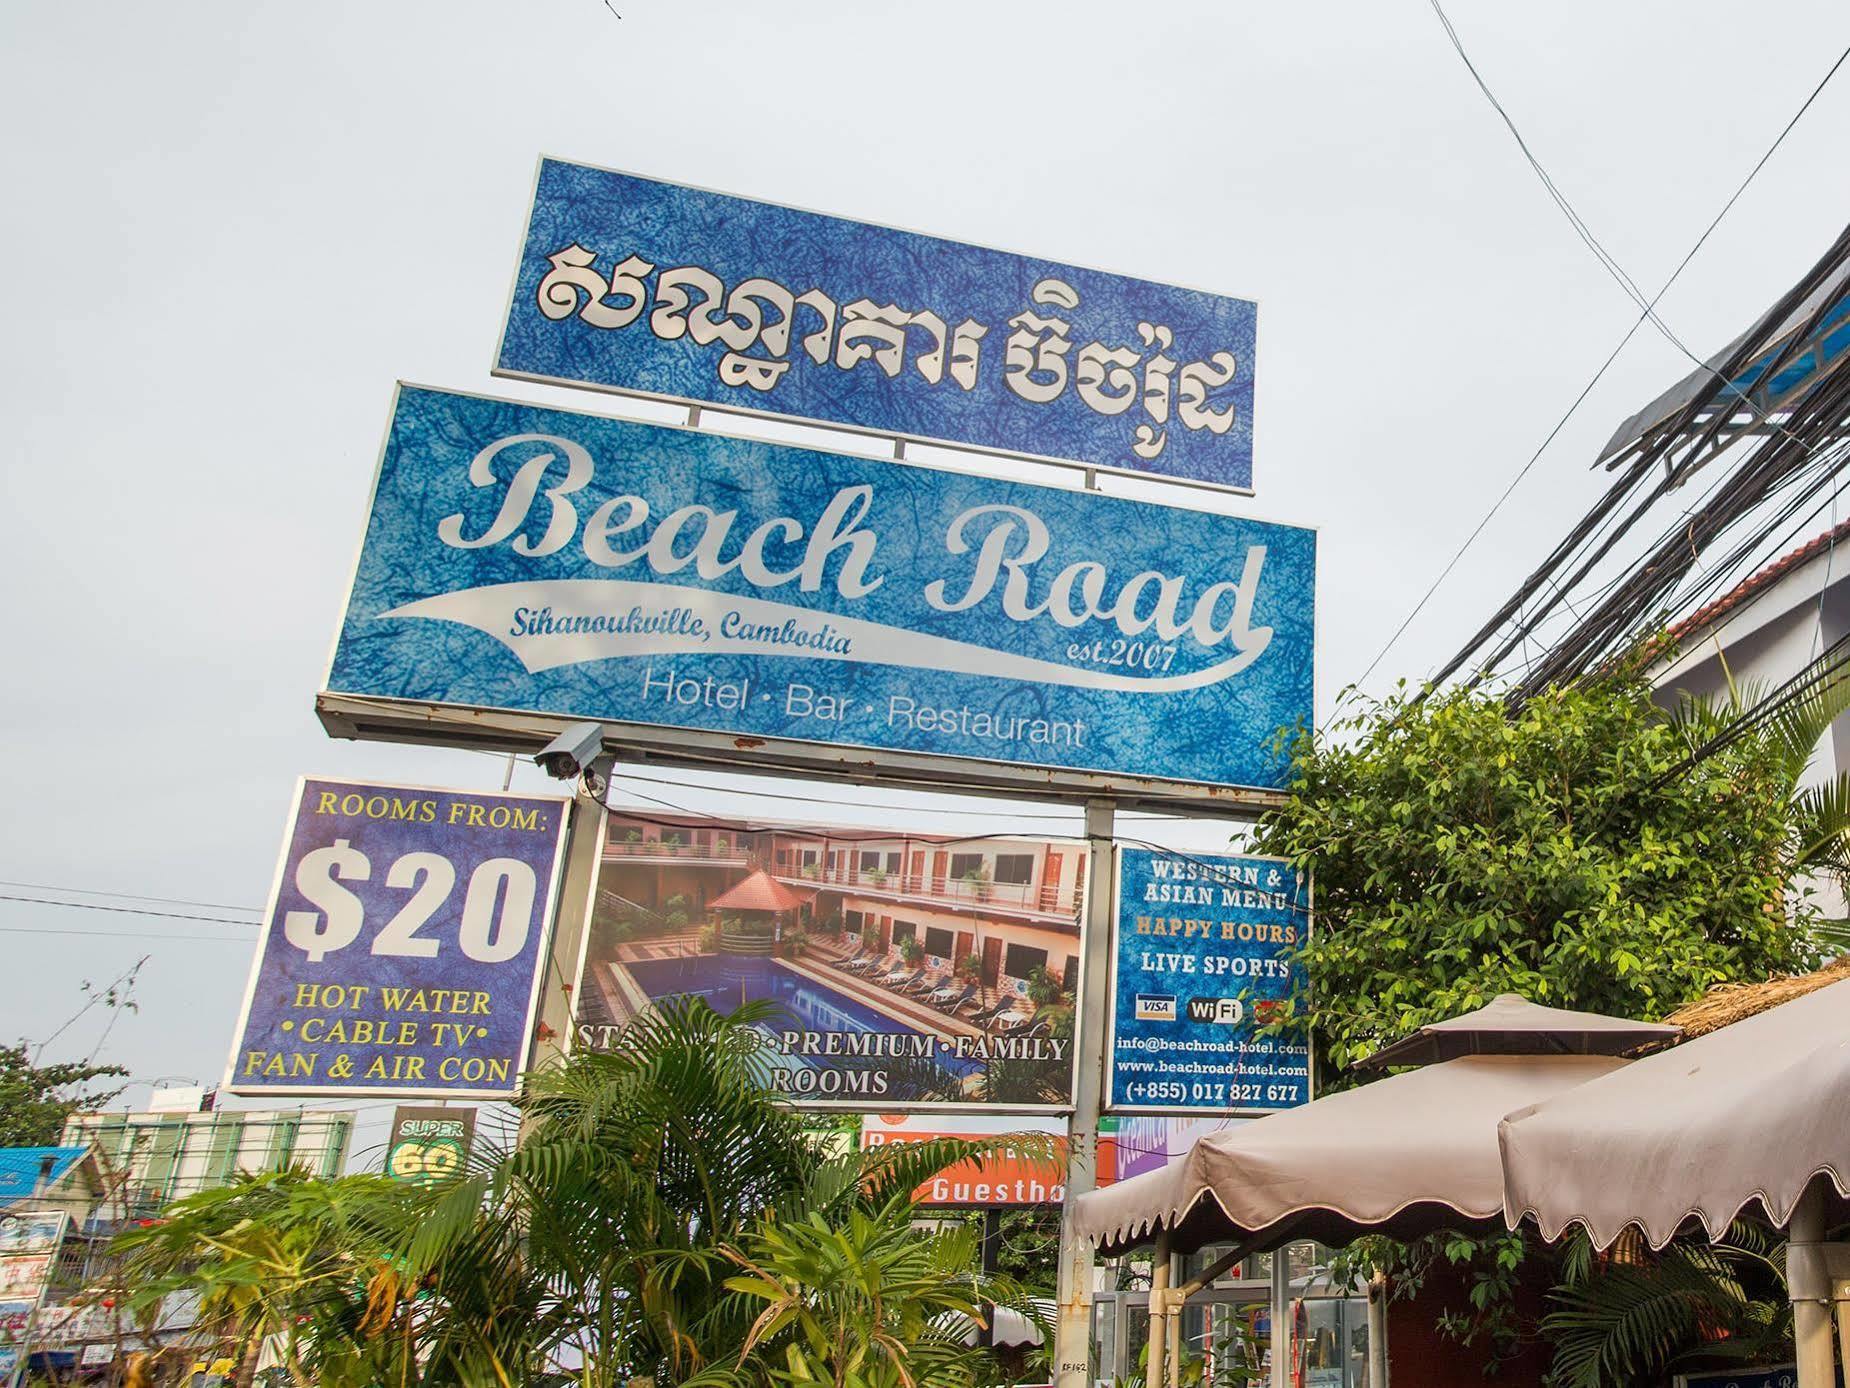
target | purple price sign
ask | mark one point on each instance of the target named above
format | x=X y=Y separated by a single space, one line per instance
x=404 y=942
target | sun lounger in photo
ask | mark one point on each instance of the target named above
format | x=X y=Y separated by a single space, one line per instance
x=950 y=1005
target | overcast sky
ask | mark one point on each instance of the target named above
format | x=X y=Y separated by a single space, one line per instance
x=228 y=228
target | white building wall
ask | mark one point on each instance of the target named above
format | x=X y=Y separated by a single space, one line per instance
x=1760 y=645
x=158 y=1157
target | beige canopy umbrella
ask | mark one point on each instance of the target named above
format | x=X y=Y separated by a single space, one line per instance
x=1402 y=1156
x=1511 y=1025
x=1753 y=1117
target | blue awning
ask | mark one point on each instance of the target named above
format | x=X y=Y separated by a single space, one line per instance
x=24 y=1169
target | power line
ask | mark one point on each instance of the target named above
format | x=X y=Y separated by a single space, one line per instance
x=1691 y=595
x=125 y=910
x=835 y=834
x=1581 y=229
x=873 y=805
x=1761 y=478
x=1736 y=358
x=1648 y=313
x=127 y=896
x=117 y=934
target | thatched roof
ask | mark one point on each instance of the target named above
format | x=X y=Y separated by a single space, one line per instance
x=1734 y=1002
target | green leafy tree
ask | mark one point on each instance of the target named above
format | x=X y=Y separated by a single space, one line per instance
x=1562 y=852
x=1028 y=1245
x=36 y=1099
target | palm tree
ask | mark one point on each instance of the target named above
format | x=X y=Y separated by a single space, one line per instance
x=864 y=1300
x=1637 y=1318
x=270 y=1255
x=1785 y=732
x=606 y=1247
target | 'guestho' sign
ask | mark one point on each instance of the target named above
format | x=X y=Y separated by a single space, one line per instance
x=538 y=560
x=656 y=289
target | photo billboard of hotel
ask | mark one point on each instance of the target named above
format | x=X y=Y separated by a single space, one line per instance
x=900 y=968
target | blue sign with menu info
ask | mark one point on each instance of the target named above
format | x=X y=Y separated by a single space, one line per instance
x=1205 y=946
x=657 y=289
x=537 y=560
x=402 y=948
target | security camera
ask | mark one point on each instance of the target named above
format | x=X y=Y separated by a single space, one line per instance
x=572 y=751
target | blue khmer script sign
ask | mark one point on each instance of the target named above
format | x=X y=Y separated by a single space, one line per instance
x=656 y=289
x=537 y=560
x=402 y=949
x=1204 y=952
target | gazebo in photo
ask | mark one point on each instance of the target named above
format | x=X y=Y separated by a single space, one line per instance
x=759 y=902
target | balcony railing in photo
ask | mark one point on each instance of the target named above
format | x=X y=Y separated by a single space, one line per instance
x=724 y=852
x=1046 y=898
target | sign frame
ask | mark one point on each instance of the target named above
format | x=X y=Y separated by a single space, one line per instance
x=463 y=1114
x=978 y=1127
x=1109 y=1102
x=524 y=731
x=949 y=1111
x=811 y=421
x=548 y=926
x=1719 y=1378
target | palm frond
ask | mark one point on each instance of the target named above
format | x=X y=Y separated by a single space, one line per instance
x=1630 y=1323
x=1821 y=825
x=1796 y=728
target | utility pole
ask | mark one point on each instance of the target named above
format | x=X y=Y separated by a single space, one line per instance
x=1072 y=1358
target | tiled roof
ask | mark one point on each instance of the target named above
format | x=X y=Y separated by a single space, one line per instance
x=1755 y=584
x=759 y=892
x=20 y=1168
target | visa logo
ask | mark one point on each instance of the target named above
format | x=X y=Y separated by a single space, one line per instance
x=1227 y=1012
x=1155 y=1007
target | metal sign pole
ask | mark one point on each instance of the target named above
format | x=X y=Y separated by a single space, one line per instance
x=571 y=926
x=1281 y=1317
x=1072 y=1366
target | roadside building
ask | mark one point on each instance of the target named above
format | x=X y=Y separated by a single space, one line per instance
x=115 y=1169
x=49 y=1197
x=156 y=1157
x=1763 y=632
x=67 y=1177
